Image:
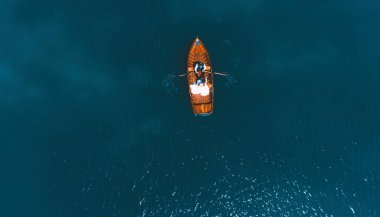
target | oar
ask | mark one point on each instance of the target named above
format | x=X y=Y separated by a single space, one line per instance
x=222 y=74
x=216 y=73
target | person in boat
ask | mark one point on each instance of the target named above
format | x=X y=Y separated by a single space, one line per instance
x=199 y=69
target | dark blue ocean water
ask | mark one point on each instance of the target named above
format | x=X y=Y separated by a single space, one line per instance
x=93 y=124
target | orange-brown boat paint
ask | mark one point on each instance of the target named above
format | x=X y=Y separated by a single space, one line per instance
x=202 y=105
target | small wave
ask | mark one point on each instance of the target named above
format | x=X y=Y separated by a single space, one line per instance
x=168 y=82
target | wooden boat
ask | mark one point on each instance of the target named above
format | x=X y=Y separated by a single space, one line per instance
x=200 y=79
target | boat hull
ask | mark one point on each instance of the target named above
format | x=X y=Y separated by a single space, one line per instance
x=202 y=104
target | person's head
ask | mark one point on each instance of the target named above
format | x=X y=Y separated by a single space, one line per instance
x=198 y=66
